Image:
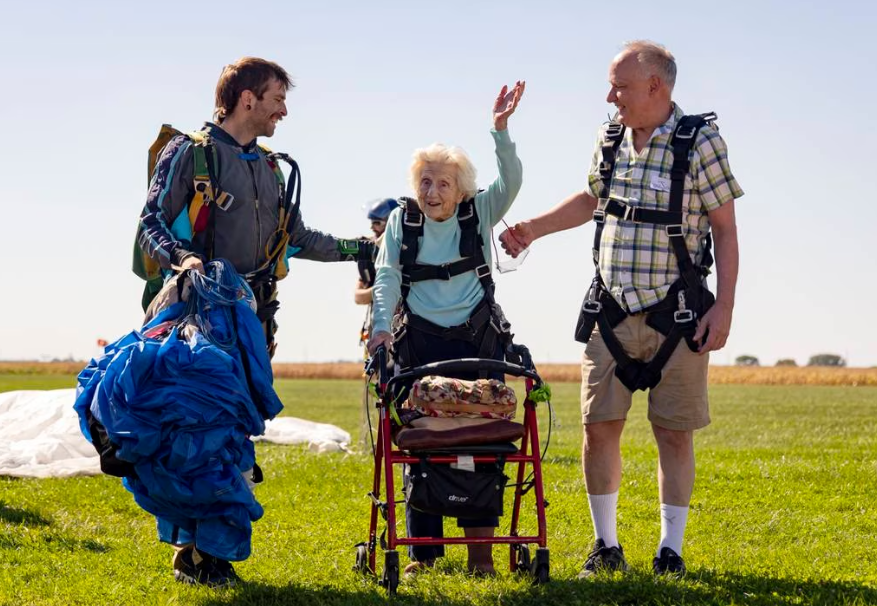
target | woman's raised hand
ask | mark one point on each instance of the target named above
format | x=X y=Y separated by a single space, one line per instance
x=506 y=103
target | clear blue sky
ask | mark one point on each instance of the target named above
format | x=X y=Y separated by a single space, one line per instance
x=87 y=85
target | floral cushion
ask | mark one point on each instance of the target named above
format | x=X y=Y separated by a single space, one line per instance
x=435 y=396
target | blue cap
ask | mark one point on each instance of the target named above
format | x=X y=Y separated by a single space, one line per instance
x=381 y=208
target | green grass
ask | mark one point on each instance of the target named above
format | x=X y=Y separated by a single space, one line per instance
x=783 y=513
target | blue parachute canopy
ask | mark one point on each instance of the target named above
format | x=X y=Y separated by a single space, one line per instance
x=181 y=409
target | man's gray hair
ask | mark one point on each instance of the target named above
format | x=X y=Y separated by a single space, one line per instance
x=654 y=59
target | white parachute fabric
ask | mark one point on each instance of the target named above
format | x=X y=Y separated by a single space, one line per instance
x=40 y=436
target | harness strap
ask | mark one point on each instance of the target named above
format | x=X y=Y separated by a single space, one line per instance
x=277 y=244
x=481 y=328
x=682 y=142
x=467 y=331
x=446 y=271
x=210 y=161
x=637 y=214
x=608 y=152
x=637 y=374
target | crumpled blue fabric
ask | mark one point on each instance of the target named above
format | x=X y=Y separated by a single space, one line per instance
x=181 y=411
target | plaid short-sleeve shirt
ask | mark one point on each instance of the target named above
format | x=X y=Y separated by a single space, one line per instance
x=636 y=259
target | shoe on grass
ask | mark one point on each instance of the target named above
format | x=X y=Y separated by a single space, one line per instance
x=415 y=567
x=603 y=559
x=669 y=563
x=198 y=568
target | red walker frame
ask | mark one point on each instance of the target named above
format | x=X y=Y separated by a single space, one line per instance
x=386 y=456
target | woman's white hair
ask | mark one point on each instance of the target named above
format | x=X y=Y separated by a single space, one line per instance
x=654 y=59
x=439 y=153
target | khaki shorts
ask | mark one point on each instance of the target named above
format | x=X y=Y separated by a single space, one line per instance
x=679 y=402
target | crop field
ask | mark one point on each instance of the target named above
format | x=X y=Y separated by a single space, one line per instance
x=783 y=513
x=719 y=375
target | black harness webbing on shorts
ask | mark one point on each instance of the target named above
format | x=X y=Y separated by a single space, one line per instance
x=687 y=300
x=484 y=324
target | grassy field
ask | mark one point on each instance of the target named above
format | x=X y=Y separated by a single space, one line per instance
x=783 y=513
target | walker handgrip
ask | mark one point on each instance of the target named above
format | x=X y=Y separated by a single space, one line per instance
x=381 y=356
x=464 y=365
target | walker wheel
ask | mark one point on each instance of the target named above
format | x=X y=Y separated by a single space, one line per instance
x=361 y=566
x=390 y=578
x=541 y=568
x=522 y=559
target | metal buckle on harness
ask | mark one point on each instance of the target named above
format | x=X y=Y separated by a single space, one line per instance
x=482 y=271
x=685 y=132
x=467 y=216
x=592 y=307
x=614 y=130
x=410 y=223
x=599 y=215
x=630 y=213
x=224 y=200
x=675 y=231
x=683 y=315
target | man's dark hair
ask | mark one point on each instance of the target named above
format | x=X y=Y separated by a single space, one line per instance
x=249 y=73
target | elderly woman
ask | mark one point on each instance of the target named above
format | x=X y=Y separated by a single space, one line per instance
x=436 y=258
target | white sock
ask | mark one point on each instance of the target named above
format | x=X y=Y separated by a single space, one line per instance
x=603 y=509
x=673 y=520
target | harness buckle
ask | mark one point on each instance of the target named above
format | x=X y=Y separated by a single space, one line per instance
x=482 y=271
x=224 y=200
x=676 y=230
x=599 y=215
x=411 y=223
x=471 y=206
x=630 y=213
x=444 y=271
x=614 y=130
x=682 y=316
x=686 y=132
x=592 y=307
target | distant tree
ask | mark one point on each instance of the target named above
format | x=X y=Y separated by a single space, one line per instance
x=786 y=362
x=826 y=359
x=746 y=361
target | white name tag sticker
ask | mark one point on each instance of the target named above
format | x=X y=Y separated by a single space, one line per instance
x=660 y=184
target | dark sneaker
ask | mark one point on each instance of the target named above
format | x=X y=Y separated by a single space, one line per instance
x=603 y=559
x=669 y=563
x=196 y=567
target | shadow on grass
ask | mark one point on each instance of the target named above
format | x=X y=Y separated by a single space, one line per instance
x=14 y=515
x=253 y=594
x=698 y=588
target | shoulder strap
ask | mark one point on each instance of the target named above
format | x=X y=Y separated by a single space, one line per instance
x=412 y=229
x=683 y=142
x=612 y=138
x=468 y=220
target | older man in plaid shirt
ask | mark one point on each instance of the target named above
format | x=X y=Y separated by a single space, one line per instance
x=638 y=267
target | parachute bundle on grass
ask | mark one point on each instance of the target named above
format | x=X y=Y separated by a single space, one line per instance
x=180 y=399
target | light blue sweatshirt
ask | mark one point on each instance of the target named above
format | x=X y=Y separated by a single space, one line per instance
x=445 y=302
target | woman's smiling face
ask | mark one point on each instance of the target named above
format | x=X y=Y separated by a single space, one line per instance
x=439 y=194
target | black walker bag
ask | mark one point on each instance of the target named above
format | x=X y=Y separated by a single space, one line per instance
x=455 y=493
